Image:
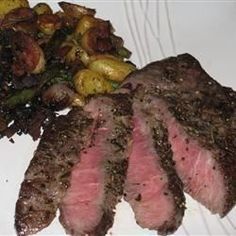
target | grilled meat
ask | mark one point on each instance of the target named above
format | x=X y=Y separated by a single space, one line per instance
x=81 y=162
x=47 y=176
x=200 y=116
x=97 y=180
x=153 y=188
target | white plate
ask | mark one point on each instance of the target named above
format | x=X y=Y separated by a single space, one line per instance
x=152 y=30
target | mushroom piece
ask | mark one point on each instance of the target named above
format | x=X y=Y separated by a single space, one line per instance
x=58 y=96
x=28 y=56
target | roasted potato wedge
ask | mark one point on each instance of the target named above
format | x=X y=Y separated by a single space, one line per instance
x=76 y=52
x=88 y=82
x=6 y=6
x=111 y=68
x=85 y=23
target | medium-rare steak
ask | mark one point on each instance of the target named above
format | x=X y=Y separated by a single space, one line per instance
x=200 y=116
x=97 y=180
x=153 y=188
x=47 y=176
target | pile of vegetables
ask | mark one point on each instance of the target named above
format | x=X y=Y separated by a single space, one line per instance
x=52 y=61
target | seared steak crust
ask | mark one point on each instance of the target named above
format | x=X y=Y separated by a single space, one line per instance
x=163 y=148
x=153 y=188
x=47 y=176
x=110 y=141
x=116 y=165
x=205 y=109
x=114 y=187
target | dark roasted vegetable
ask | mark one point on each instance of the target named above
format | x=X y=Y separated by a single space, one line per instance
x=58 y=96
x=3 y=124
x=17 y=16
x=97 y=39
x=49 y=61
x=76 y=11
x=56 y=41
x=21 y=19
x=20 y=97
x=48 y=23
x=51 y=76
x=28 y=57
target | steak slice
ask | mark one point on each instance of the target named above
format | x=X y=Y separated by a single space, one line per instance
x=47 y=176
x=97 y=180
x=200 y=116
x=153 y=188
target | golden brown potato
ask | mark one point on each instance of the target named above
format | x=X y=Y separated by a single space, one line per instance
x=42 y=8
x=88 y=82
x=8 y=5
x=85 y=23
x=111 y=68
x=75 y=53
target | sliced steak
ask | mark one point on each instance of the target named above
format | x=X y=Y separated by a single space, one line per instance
x=200 y=116
x=47 y=176
x=97 y=180
x=153 y=188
